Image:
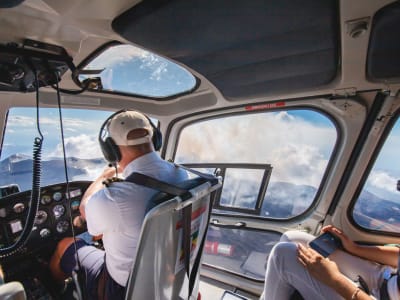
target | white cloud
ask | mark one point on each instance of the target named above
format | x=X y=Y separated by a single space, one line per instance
x=70 y=124
x=299 y=164
x=115 y=56
x=382 y=180
x=297 y=149
x=81 y=146
x=20 y=121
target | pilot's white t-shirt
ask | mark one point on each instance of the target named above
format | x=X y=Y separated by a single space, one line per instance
x=117 y=212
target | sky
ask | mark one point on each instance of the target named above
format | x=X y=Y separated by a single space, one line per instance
x=140 y=72
x=80 y=132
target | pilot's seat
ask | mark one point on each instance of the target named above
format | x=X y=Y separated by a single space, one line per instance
x=170 y=247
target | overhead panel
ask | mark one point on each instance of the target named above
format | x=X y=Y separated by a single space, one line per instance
x=245 y=48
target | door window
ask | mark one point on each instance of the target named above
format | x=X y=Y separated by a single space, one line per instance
x=378 y=205
x=292 y=146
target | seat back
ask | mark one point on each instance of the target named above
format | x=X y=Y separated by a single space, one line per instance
x=161 y=269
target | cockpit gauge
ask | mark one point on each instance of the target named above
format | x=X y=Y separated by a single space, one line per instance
x=75 y=193
x=45 y=232
x=58 y=210
x=46 y=199
x=41 y=217
x=62 y=226
x=57 y=196
x=75 y=205
x=15 y=226
x=19 y=208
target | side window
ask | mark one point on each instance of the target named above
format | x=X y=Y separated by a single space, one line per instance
x=273 y=162
x=378 y=205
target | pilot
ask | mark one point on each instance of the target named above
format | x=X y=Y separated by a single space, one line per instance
x=116 y=212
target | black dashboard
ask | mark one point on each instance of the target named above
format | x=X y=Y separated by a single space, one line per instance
x=57 y=208
x=57 y=214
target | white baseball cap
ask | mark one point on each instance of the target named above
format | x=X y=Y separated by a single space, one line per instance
x=125 y=122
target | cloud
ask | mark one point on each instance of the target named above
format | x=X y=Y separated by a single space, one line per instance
x=20 y=121
x=49 y=125
x=78 y=146
x=382 y=180
x=297 y=149
x=116 y=55
x=299 y=164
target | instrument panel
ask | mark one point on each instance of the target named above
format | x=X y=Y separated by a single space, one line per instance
x=58 y=208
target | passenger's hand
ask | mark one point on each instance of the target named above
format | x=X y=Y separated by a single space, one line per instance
x=319 y=267
x=347 y=243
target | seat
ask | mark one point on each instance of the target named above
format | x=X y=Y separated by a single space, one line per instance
x=170 y=246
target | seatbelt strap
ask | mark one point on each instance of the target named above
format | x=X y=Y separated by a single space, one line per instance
x=142 y=179
x=186 y=233
x=196 y=263
x=209 y=177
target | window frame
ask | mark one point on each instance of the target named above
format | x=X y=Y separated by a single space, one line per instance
x=221 y=169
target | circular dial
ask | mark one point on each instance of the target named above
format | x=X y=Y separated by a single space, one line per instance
x=19 y=208
x=46 y=199
x=41 y=217
x=57 y=196
x=58 y=210
x=45 y=232
x=62 y=226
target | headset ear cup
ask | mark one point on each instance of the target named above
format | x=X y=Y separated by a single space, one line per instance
x=157 y=138
x=110 y=151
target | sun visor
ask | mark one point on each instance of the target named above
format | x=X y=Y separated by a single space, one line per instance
x=383 y=61
x=245 y=48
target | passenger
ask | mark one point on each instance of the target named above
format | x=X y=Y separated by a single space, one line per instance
x=292 y=266
x=116 y=212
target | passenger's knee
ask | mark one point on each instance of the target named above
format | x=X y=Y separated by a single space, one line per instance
x=296 y=236
x=283 y=251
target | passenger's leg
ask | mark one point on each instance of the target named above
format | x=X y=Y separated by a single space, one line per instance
x=297 y=236
x=351 y=266
x=285 y=274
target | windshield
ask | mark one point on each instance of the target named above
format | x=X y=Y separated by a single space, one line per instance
x=81 y=128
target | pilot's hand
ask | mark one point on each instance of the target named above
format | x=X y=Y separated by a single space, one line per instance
x=79 y=222
x=97 y=237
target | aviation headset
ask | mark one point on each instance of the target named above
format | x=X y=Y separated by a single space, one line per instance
x=109 y=147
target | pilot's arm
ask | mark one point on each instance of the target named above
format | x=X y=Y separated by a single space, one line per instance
x=96 y=185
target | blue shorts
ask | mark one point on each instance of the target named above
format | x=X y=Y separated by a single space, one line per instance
x=92 y=261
